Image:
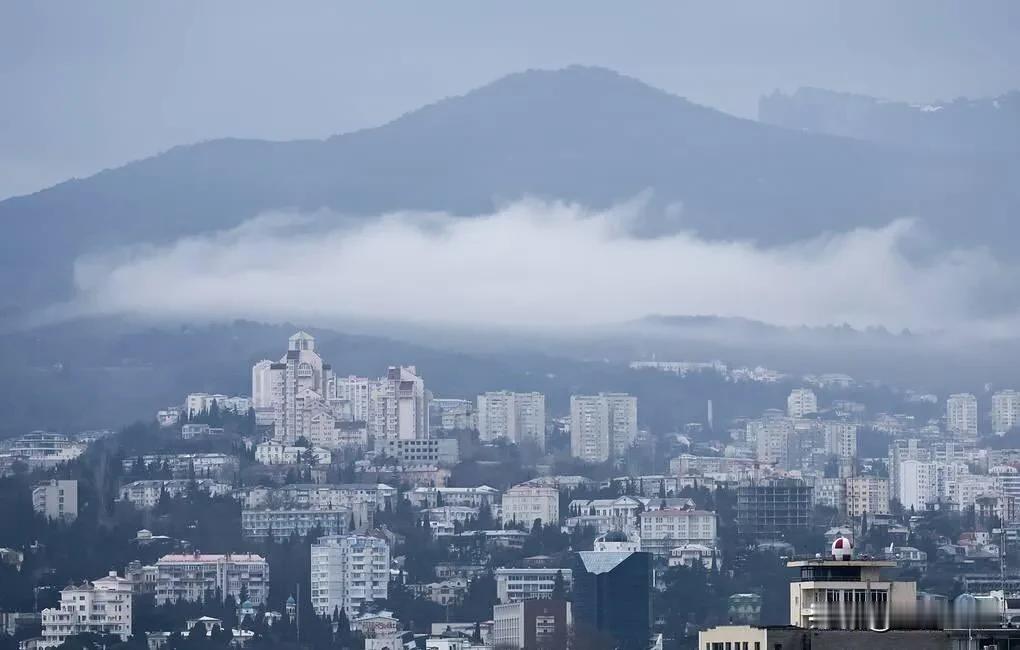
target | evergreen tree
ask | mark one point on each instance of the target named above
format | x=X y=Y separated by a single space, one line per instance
x=559 y=590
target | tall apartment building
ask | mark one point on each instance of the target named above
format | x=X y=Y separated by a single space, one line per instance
x=56 y=499
x=773 y=437
x=1005 y=411
x=348 y=571
x=768 y=508
x=452 y=415
x=921 y=483
x=867 y=494
x=354 y=397
x=262 y=385
x=295 y=387
x=840 y=439
x=101 y=607
x=524 y=504
x=602 y=426
x=190 y=576
x=403 y=402
x=801 y=402
x=962 y=415
x=514 y=416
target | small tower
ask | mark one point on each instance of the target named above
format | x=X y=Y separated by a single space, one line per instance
x=842 y=549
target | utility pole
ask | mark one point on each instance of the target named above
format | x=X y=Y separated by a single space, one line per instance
x=298 y=611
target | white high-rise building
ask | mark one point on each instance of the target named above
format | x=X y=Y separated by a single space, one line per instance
x=917 y=484
x=348 y=571
x=801 y=402
x=840 y=439
x=962 y=415
x=101 y=607
x=514 y=416
x=868 y=494
x=262 y=385
x=294 y=389
x=771 y=437
x=354 y=397
x=405 y=404
x=1005 y=411
x=56 y=499
x=602 y=426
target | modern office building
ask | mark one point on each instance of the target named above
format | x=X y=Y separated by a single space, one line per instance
x=348 y=571
x=602 y=426
x=102 y=606
x=531 y=625
x=770 y=508
x=191 y=576
x=515 y=585
x=56 y=500
x=613 y=592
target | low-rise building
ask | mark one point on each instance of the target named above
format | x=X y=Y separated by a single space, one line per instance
x=515 y=585
x=282 y=523
x=102 y=606
x=664 y=530
x=694 y=554
x=446 y=592
x=41 y=449
x=426 y=451
x=475 y=497
x=190 y=576
x=186 y=465
x=524 y=504
x=318 y=496
x=146 y=494
x=538 y=624
x=277 y=453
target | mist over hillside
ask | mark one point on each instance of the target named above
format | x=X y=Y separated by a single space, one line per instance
x=582 y=135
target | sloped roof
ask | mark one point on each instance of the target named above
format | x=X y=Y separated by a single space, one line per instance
x=599 y=562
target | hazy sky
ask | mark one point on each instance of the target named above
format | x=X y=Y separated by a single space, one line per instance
x=92 y=85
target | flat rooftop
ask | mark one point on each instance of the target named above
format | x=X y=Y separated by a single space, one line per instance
x=829 y=562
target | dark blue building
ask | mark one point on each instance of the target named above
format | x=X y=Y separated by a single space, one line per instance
x=613 y=592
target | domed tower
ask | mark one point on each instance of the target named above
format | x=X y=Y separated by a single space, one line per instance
x=842 y=549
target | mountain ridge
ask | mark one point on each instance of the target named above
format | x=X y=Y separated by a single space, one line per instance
x=578 y=134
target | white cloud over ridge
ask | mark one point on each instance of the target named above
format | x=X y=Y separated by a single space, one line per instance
x=531 y=263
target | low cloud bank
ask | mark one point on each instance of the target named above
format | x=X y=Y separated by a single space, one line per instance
x=538 y=264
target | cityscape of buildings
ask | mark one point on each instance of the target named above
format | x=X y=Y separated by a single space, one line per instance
x=339 y=460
